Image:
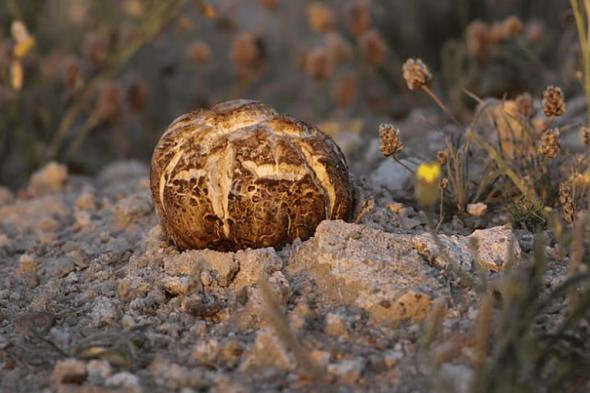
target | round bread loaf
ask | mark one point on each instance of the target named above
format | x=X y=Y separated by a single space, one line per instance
x=240 y=175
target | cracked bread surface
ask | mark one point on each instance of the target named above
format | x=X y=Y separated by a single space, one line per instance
x=240 y=175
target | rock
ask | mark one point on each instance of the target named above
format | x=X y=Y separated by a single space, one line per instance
x=6 y=196
x=174 y=376
x=86 y=201
x=205 y=352
x=335 y=325
x=124 y=379
x=200 y=309
x=128 y=209
x=176 y=285
x=457 y=249
x=4 y=240
x=106 y=311
x=58 y=267
x=33 y=322
x=347 y=371
x=49 y=179
x=267 y=353
x=34 y=214
x=253 y=262
x=69 y=371
x=395 y=207
x=27 y=264
x=223 y=266
x=380 y=272
x=320 y=359
x=493 y=245
x=390 y=175
x=457 y=377
x=98 y=371
x=477 y=209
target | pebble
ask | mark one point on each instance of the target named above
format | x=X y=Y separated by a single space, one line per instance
x=69 y=371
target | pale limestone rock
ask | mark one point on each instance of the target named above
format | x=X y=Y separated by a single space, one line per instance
x=49 y=179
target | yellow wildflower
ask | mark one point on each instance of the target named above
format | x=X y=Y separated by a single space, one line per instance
x=427 y=183
x=23 y=41
x=23 y=47
x=428 y=172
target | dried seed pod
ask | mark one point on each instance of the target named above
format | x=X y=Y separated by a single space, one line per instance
x=512 y=26
x=248 y=51
x=198 y=52
x=553 y=102
x=241 y=175
x=318 y=64
x=443 y=157
x=585 y=133
x=566 y=198
x=389 y=141
x=549 y=146
x=372 y=47
x=358 y=17
x=320 y=17
x=416 y=74
x=477 y=37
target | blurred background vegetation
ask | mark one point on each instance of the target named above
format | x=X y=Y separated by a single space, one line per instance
x=88 y=81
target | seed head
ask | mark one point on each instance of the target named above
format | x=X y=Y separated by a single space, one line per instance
x=566 y=198
x=247 y=49
x=512 y=26
x=358 y=17
x=372 y=47
x=109 y=102
x=198 y=52
x=270 y=4
x=443 y=157
x=553 y=102
x=416 y=74
x=477 y=37
x=549 y=146
x=389 y=141
x=444 y=183
x=318 y=64
x=585 y=132
x=320 y=17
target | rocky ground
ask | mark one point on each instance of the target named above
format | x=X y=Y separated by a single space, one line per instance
x=93 y=300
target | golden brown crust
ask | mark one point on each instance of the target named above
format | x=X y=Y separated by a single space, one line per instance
x=240 y=175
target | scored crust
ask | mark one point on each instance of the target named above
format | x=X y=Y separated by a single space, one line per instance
x=240 y=175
